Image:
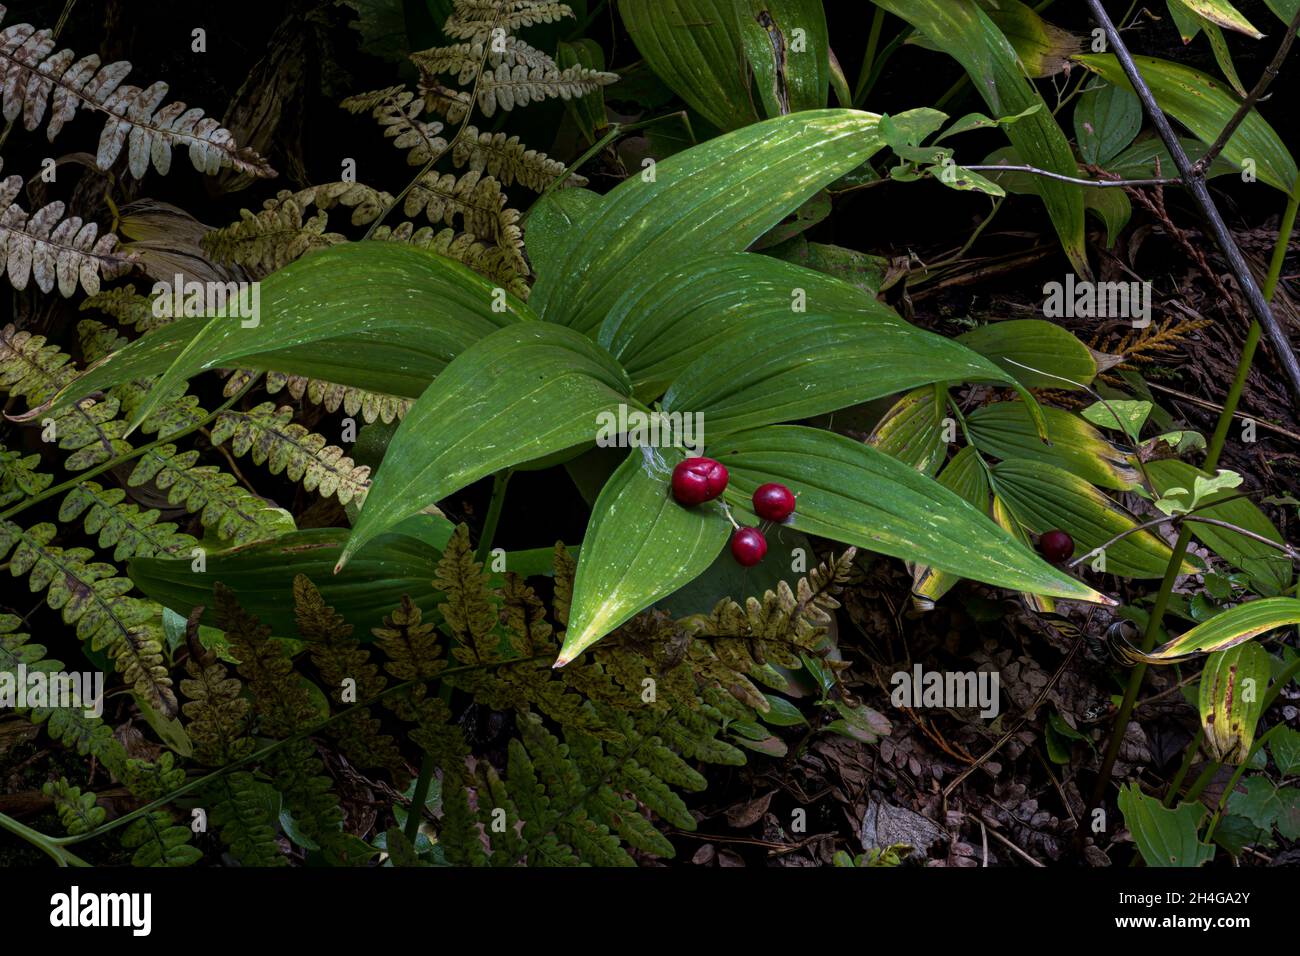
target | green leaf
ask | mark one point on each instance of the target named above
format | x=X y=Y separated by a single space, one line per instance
x=1163 y=836
x=667 y=319
x=1043 y=48
x=791 y=72
x=640 y=546
x=1268 y=806
x=1232 y=627
x=964 y=476
x=849 y=492
x=785 y=368
x=1284 y=745
x=719 y=196
x=550 y=223
x=524 y=392
x=1204 y=487
x=861 y=270
x=1200 y=102
x=1113 y=208
x=1139 y=161
x=355 y=288
x=1006 y=430
x=964 y=31
x=782 y=713
x=695 y=47
x=1044 y=497
x=588 y=111
x=1233 y=685
x=262 y=574
x=1106 y=119
x=1187 y=21
x=1022 y=346
x=1222 y=13
x=912 y=430
x=1119 y=415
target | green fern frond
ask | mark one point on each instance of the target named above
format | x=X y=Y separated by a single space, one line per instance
x=470 y=618
x=128 y=307
x=159 y=841
x=19 y=477
x=31 y=369
x=77 y=811
x=132 y=533
x=273 y=439
x=173 y=415
x=410 y=643
x=92 y=596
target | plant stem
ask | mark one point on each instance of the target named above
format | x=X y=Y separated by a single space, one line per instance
x=42 y=842
x=499 y=482
x=418 y=798
x=1213 y=451
x=1190 y=755
x=869 y=58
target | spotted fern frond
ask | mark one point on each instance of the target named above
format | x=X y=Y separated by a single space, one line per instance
x=398 y=111
x=273 y=439
x=128 y=307
x=475 y=198
x=37 y=79
x=54 y=249
x=19 y=477
x=130 y=531
x=502 y=265
x=509 y=161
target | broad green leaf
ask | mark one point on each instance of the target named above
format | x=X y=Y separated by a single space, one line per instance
x=913 y=429
x=1267 y=806
x=1164 y=836
x=1119 y=414
x=640 y=546
x=1140 y=160
x=1028 y=347
x=964 y=476
x=666 y=320
x=861 y=270
x=973 y=121
x=1284 y=745
x=1228 y=629
x=796 y=366
x=550 y=223
x=964 y=31
x=1113 y=208
x=1222 y=13
x=1004 y=519
x=1186 y=20
x=261 y=574
x=1285 y=10
x=695 y=47
x=1233 y=685
x=524 y=392
x=1106 y=118
x=719 y=196
x=791 y=71
x=1223 y=57
x=1204 y=106
x=1006 y=430
x=1044 y=497
x=849 y=492
x=1043 y=47
x=359 y=287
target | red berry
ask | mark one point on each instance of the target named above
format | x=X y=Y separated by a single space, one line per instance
x=748 y=546
x=1056 y=546
x=697 y=480
x=773 y=502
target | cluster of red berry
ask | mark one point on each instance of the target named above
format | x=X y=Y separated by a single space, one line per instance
x=697 y=480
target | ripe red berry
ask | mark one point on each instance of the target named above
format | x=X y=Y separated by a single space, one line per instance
x=748 y=546
x=773 y=502
x=697 y=480
x=1056 y=546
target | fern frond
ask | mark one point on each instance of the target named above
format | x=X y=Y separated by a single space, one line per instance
x=507 y=87
x=88 y=736
x=509 y=161
x=54 y=249
x=175 y=414
x=503 y=266
x=275 y=440
x=217 y=713
x=92 y=596
x=476 y=19
x=37 y=78
x=159 y=841
x=132 y=533
x=371 y=406
x=398 y=111
x=348 y=675
x=476 y=198
x=235 y=514
x=410 y=643
x=19 y=477
x=77 y=811
x=468 y=614
x=128 y=307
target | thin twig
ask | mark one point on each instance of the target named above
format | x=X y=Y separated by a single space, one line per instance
x=1253 y=97
x=1195 y=183
x=1099 y=183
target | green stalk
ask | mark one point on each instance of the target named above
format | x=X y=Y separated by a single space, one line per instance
x=869 y=58
x=499 y=482
x=39 y=840
x=1155 y=623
